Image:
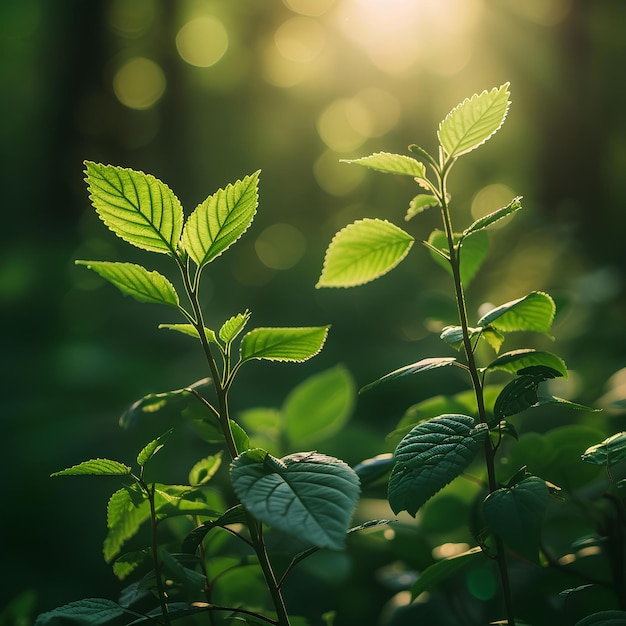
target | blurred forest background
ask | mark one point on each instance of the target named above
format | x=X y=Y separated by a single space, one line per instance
x=202 y=92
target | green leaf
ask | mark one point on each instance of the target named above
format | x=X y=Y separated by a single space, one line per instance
x=190 y=330
x=517 y=360
x=220 y=220
x=137 y=207
x=553 y=400
x=283 y=344
x=534 y=312
x=319 y=407
x=234 y=515
x=391 y=164
x=472 y=253
x=129 y=562
x=308 y=495
x=520 y=394
x=424 y=365
x=493 y=337
x=362 y=252
x=136 y=281
x=96 y=467
x=176 y=500
x=474 y=121
x=87 y=612
x=440 y=571
x=242 y=441
x=233 y=326
x=608 y=452
x=430 y=456
x=127 y=510
x=453 y=335
x=516 y=515
x=425 y=156
x=419 y=204
x=370 y=470
x=152 y=448
x=205 y=469
x=603 y=618
x=487 y=220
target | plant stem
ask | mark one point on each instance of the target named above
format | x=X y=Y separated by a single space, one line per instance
x=155 y=556
x=455 y=263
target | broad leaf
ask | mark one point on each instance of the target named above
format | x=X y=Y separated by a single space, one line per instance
x=487 y=220
x=127 y=563
x=205 y=469
x=283 y=344
x=233 y=326
x=220 y=220
x=607 y=453
x=372 y=469
x=534 y=312
x=424 y=365
x=391 y=164
x=517 y=360
x=152 y=448
x=362 y=252
x=516 y=515
x=176 y=500
x=190 y=330
x=136 y=281
x=603 y=618
x=430 y=456
x=440 y=571
x=472 y=253
x=453 y=335
x=88 y=612
x=520 y=394
x=319 y=407
x=137 y=207
x=127 y=510
x=309 y=495
x=96 y=467
x=419 y=204
x=474 y=121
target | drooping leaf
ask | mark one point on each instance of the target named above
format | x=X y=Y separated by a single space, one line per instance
x=424 y=365
x=309 y=495
x=283 y=344
x=362 y=252
x=453 y=335
x=520 y=394
x=419 y=204
x=220 y=220
x=87 y=612
x=137 y=207
x=517 y=360
x=127 y=510
x=152 y=448
x=610 y=451
x=190 y=330
x=603 y=618
x=136 y=281
x=391 y=164
x=205 y=469
x=233 y=326
x=472 y=253
x=440 y=571
x=372 y=469
x=96 y=467
x=474 y=121
x=234 y=515
x=534 y=312
x=516 y=515
x=430 y=456
x=487 y=220
x=319 y=407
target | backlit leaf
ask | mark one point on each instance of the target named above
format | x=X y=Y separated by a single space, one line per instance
x=190 y=330
x=127 y=510
x=136 y=281
x=517 y=360
x=233 y=326
x=96 y=467
x=362 y=252
x=607 y=453
x=472 y=253
x=205 y=469
x=419 y=204
x=534 y=312
x=221 y=219
x=152 y=448
x=487 y=220
x=308 y=495
x=283 y=344
x=453 y=335
x=474 y=121
x=137 y=207
x=391 y=164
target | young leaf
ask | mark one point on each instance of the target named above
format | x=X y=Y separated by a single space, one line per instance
x=127 y=510
x=190 y=330
x=152 y=448
x=205 y=469
x=415 y=368
x=423 y=155
x=137 y=207
x=220 y=220
x=453 y=335
x=518 y=360
x=362 y=252
x=96 y=467
x=283 y=344
x=492 y=218
x=607 y=453
x=391 y=164
x=90 y=612
x=430 y=456
x=516 y=515
x=233 y=326
x=419 y=204
x=308 y=495
x=318 y=408
x=534 y=312
x=474 y=121
x=472 y=253
x=136 y=281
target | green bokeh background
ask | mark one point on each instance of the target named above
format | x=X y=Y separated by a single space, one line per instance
x=300 y=86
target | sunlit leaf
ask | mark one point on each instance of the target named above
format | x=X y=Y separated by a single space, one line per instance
x=220 y=220
x=127 y=563
x=419 y=204
x=453 y=335
x=308 y=495
x=391 y=164
x=487 y=220
x=127 y=510
x=233 y=326
x=362 y=252
x=423 y=155
x=534 y=312
x=137 y=207
x=96 y=467
x=152 y=448
x=608 y=452
x=517 y=360
x=474 y=121
x=136 y=281
x=190 y=330
x=472 y=253
x=205 y=469
x=283 y=344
